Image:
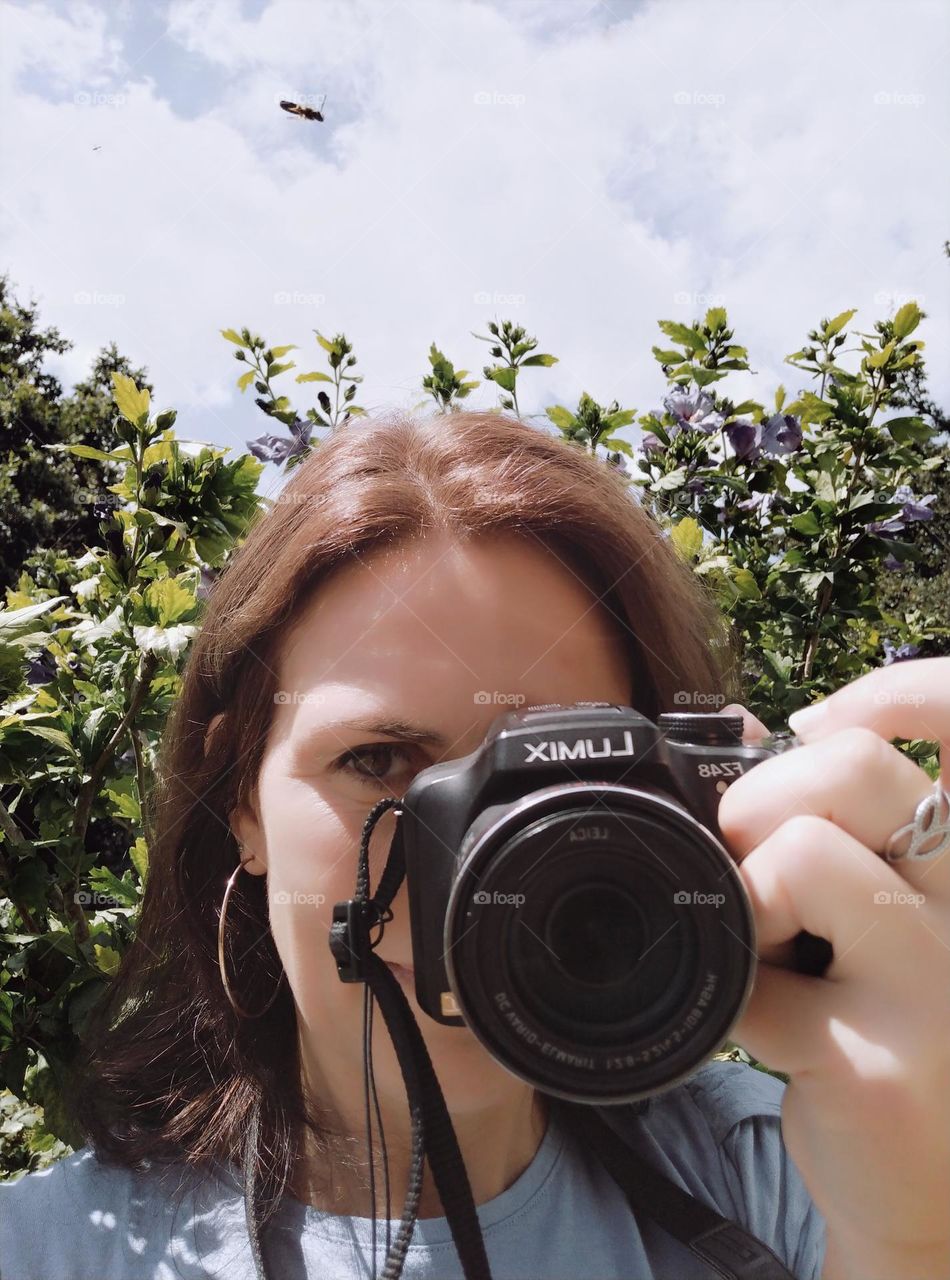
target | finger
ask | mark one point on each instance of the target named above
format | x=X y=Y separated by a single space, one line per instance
x=908 y=699
x=853 y=778
x=811 y=875
x=786 y=1019
x=753 y=729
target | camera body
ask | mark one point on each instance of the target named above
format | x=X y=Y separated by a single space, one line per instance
x=571 y=900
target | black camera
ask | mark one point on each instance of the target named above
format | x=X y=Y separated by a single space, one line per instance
x=571 y=899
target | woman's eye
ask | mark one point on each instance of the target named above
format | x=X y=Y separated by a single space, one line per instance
x=379 y=757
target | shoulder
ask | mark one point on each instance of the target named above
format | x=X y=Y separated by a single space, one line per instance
x=85 y=1217
x=718 y=1134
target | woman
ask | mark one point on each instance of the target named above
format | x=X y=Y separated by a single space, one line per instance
x=413 y=580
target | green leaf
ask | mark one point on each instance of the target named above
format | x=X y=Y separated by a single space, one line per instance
x=138 y=856
x=703 y=377
x=327 y=346
x=107 y=959
x=746 y=584
x=15 y=623
x=671 y=481
x=561 y=417
x=233 y=337
x=881 y=358
x=246 y=379
x=313 y=377
x=687 y=537
x=839 y=322
x=131 y=402
x=547 y=361
x=905 y=430
x=683 y=334
x=665 y=355
x=170 y=601
x=48 y=733
x=107 y=881
x=87 y=451
x=277 y=352
x=504 y=376
x=907 y=319
x=715 y=319
x=806 y=523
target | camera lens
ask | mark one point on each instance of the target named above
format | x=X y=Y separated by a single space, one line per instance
x=599 y=940
x=595 y=934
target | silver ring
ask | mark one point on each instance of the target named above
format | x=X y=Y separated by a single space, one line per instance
x=929 y=832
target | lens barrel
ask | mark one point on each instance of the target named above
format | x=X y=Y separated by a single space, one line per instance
x=599 y=940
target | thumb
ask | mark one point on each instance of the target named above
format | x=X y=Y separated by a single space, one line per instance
x=753 y=730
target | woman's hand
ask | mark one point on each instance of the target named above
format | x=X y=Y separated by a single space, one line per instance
x=866 y=1115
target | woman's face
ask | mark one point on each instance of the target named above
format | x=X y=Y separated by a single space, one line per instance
x=444 y=637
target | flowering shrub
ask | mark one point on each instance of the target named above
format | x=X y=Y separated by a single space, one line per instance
x=791 y=513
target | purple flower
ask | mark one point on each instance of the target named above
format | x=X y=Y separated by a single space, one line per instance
x=696 y=486
x=650 y=444
x=41 y=669
x=913 y=509
x=900 y=653
x=281 y=449
x=743 y=436
x=782 y=434
x=697 y=413
x=892 y=563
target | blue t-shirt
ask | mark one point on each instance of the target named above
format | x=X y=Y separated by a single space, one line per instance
x=716 y=1134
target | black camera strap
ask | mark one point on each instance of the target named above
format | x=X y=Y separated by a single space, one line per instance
x=731 y=1251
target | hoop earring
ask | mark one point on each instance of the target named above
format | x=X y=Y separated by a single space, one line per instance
x=235 y=1005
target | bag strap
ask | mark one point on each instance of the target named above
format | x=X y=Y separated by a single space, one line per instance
x=731 y=1251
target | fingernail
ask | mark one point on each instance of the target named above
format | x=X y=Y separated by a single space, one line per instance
x=808 y=718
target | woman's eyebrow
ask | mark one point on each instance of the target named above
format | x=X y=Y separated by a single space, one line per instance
x=388 y=726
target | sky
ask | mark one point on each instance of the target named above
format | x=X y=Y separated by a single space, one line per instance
x=583 y=169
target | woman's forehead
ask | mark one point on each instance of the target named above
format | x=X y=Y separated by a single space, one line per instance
x=479 y=611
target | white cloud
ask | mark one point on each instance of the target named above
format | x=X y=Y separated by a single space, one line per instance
x=597 y=171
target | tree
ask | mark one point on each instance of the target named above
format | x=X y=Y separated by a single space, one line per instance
x=48 y=496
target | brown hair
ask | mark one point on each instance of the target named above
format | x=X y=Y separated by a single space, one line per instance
x=168 y=1071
